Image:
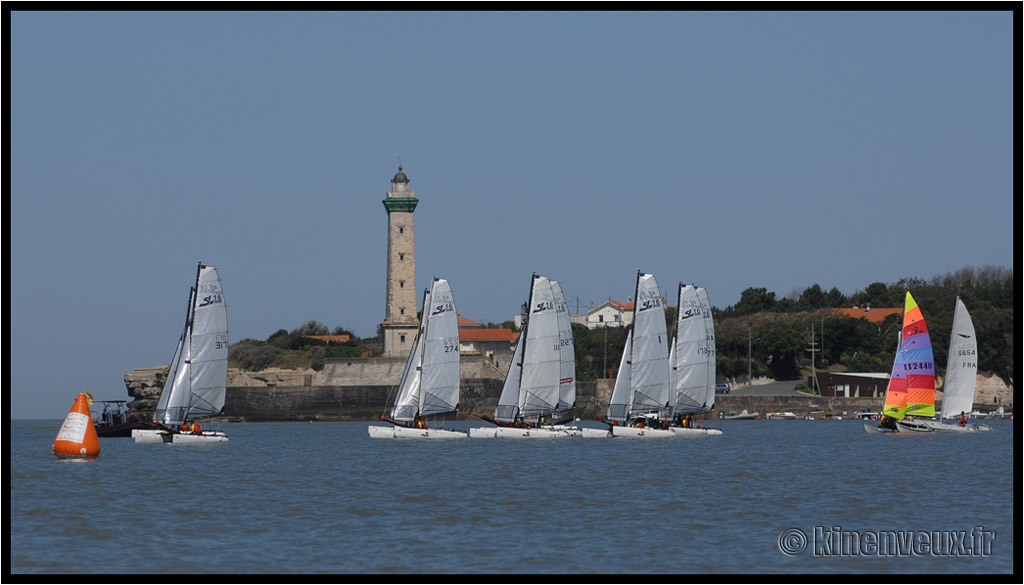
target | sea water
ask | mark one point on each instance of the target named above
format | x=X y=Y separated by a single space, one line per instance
x=326 y=498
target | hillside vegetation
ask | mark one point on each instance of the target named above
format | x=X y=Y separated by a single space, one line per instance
x=775 y=331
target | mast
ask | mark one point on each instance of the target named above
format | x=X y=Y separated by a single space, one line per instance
x=423 y=337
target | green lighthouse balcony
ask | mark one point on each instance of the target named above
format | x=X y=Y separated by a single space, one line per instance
x=400 y=204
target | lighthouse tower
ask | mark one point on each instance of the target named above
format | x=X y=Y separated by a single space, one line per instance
x=400 y=322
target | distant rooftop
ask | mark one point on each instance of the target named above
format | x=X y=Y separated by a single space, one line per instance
x=876 y=315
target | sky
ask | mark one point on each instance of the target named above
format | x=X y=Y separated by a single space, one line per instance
x=725 y=149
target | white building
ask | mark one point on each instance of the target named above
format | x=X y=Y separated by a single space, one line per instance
x=610 y=314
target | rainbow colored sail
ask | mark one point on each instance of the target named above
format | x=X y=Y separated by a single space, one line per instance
x=896 y=392
x=918 y=362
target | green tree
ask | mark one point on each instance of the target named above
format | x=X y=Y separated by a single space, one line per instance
x=755 y=300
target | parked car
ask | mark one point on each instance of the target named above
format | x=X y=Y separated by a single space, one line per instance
x=722 y=389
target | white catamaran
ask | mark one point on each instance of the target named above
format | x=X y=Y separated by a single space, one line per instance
x=530 y=397
x=430 y=383
x=197 y=382
x=640 y=397
x=692 y=363
x=961 y=376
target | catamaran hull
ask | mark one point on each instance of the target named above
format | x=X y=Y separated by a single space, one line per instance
x=955 y=428
x=482 y=432
x=378 y=432
x=913 y=427
x=153 y=436
x=877 y=429
x=194 y=439
x=642 y=433
x=520 y=433
x=697 y=432
x=531 y=433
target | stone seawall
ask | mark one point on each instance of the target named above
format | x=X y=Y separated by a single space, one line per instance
x=368 y=402
x=360 y=389
x=799 y=405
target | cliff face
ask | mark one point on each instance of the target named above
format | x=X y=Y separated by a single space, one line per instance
x=144 y=385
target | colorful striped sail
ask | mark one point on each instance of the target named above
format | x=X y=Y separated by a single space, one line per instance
x=918 y=362
x=896 y=392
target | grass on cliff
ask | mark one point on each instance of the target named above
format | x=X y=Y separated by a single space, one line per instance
x=253 y=355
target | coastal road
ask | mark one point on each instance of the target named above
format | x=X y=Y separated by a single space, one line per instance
x=784 y=388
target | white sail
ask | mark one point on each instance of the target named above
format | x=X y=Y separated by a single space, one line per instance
x=430 y=383
x=961 y=365
x=197 y=383
x=538 y=390
x=709 y=346
x=567 y=351
x=618 y=404
x=407 y=402
x=168 y=412
x=440 y=384
x=649 y=383
x=689 y=357
x=508 y=402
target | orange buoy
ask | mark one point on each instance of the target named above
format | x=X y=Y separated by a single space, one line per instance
x=77 y=438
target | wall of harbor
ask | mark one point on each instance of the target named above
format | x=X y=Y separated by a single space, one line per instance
x=360 y=389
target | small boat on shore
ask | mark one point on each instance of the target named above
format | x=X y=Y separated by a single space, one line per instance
x=787 y=415
x=744 y=415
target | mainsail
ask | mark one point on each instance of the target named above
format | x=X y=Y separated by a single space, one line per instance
x=689 y=355
x=566 y=350
x=645 y=357
x=618 y=404
x=197 y=382
x=896 y=391
x=709 y=346
x=531 y=387
x=918 y=361
x=961 y=365
x=430 y=383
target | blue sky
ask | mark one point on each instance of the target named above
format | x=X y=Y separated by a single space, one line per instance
x=730 y=150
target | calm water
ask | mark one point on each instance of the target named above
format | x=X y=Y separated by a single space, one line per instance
x=325 y=498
